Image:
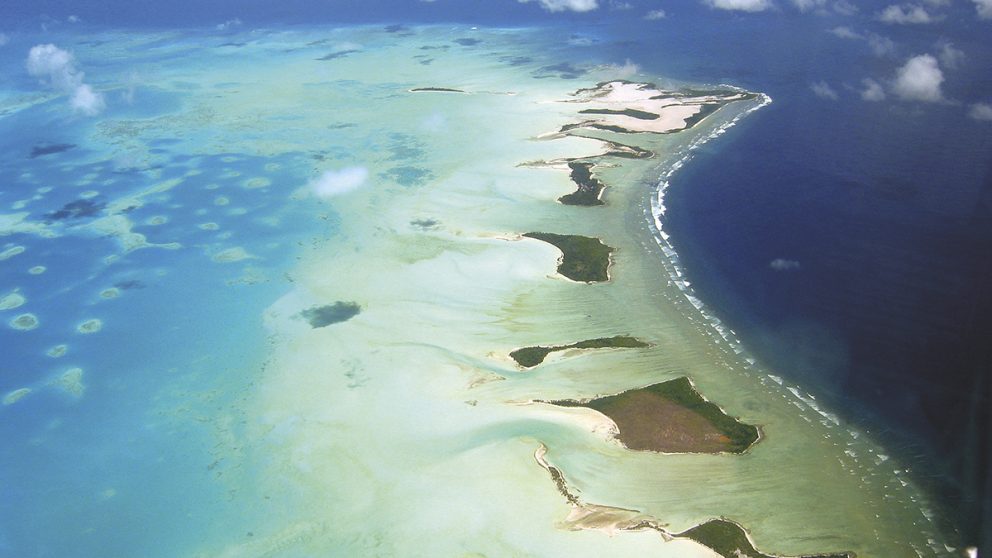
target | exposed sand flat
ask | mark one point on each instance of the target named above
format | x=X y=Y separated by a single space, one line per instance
x=670 y=118
x=656 y=111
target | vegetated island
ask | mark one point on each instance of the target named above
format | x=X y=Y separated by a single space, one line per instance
x=729 y=539
x=435 y=90
x=323 y=316
x=671 y=417
x=725 y=537
x=529 y=357
x=588 y=187
x=583 y=258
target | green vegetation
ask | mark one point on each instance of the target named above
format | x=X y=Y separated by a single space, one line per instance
x=704 y=111
x=634 y=113
x=672 y=417
x=611 y=128
x=588 y=186
x=322 y=316
x=436 y=90
x=583 y=258
x=681 y=391
x=529 y=357
x=728 y=539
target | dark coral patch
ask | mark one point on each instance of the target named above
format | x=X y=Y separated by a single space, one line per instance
x=323 y=316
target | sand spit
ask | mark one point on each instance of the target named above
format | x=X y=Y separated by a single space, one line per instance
x=724 y=537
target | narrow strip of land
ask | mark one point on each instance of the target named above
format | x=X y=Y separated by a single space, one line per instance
x=529 y=357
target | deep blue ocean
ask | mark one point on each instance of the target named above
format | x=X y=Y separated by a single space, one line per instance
x=879 y=213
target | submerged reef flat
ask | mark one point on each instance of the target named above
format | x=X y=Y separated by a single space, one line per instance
x=71 y=381
x=15 y=396
x=11 y=252
x=25 y=322
x=529 y=357
x=583 y=258
x=92 y=325
x=12 y=300
x=323 y=316
x=671 y=417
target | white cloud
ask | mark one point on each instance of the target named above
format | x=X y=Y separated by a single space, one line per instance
x=843 y=7
x=436 y=122
x=807 y=5
x=620 y=5
x=781 y=264
x=824 y=91
x=4 y=39
x=873 y=90
x=565 y=5
x=229 y=24
x=73 y=19
x=981 y=111
x=333 y=183
x=57 y=68
x=906 y=14
x=624 y=71
x=949 y=56
x=984 y=8
x=87 y=101
x=740 y=5
x=655 y=15
x=881 y=46
x=845 y=33
x=133 y=80
x=919 y=79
